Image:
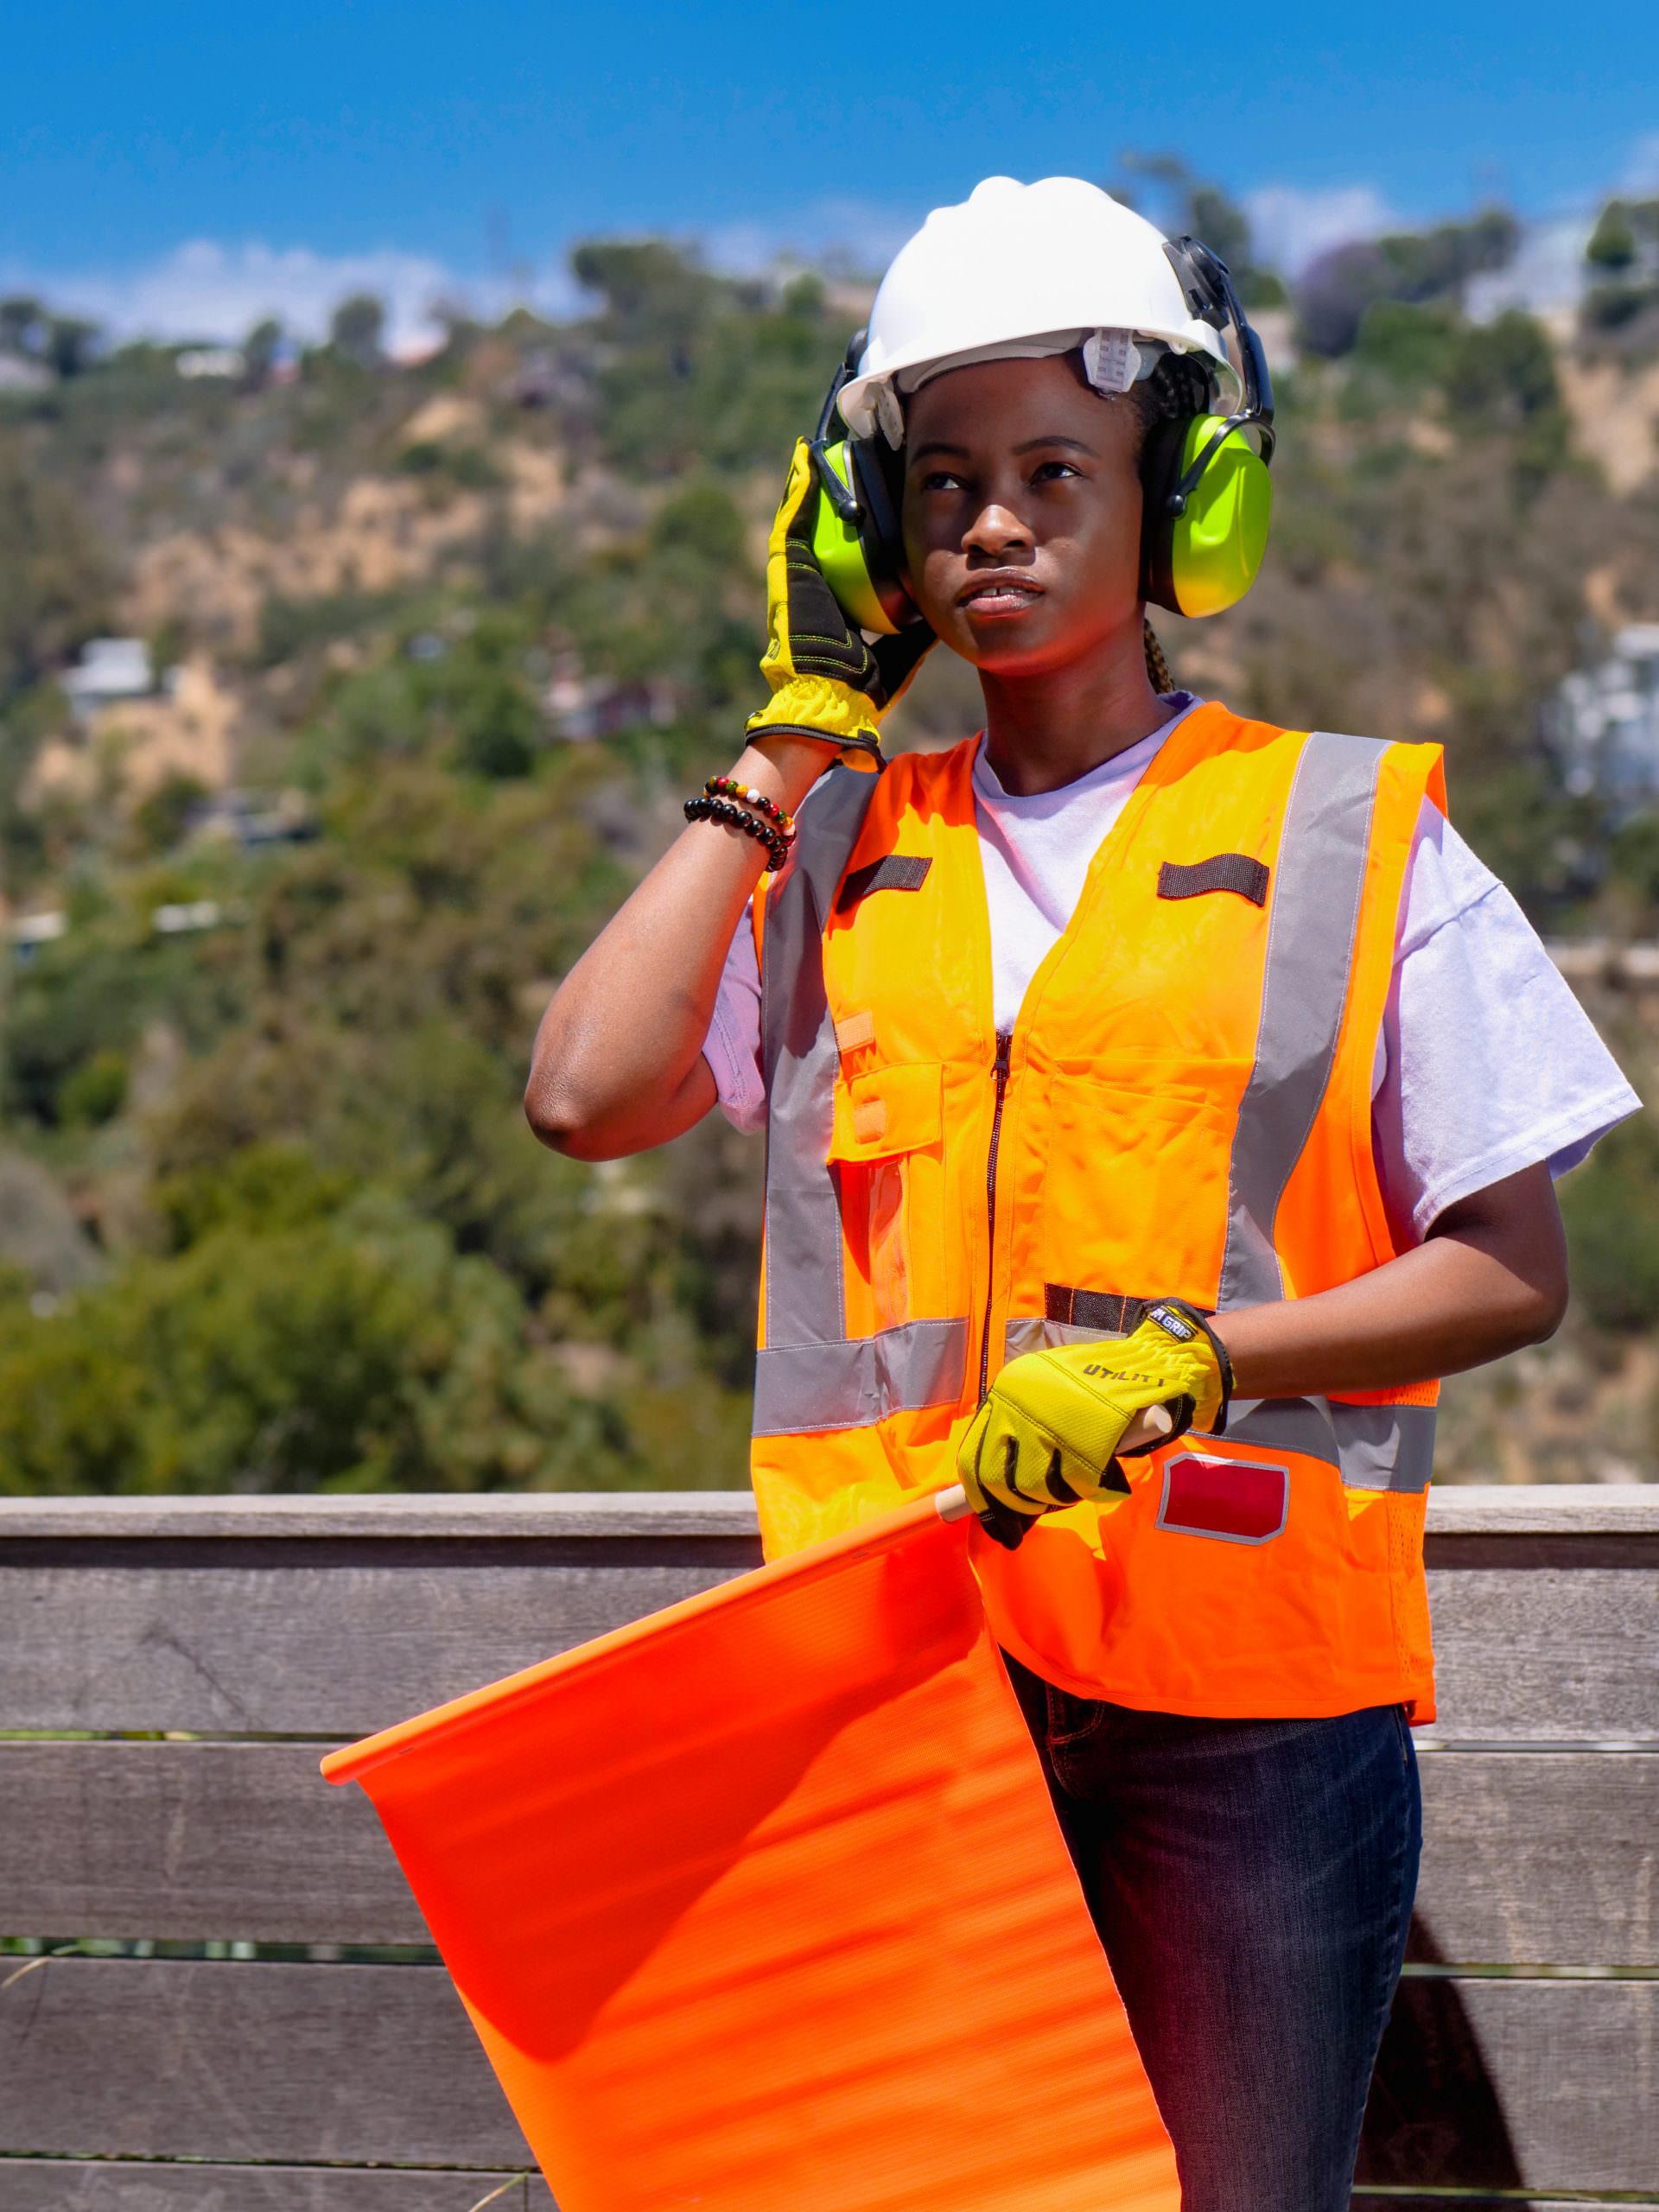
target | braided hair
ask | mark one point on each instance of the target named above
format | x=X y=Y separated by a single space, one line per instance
x=1179 y=386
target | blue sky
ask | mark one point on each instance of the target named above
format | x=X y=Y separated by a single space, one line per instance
x=172 y=163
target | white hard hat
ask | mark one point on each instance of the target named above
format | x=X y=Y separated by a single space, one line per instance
x=1018 y=269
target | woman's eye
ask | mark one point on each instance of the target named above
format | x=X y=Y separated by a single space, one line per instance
x=1051 y=472
x=940 y=479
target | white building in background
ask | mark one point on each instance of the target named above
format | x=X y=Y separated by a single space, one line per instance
x=109 y=670
x=197 y=361
x=17 y=375
x=1602 y=723
x=1545 y=276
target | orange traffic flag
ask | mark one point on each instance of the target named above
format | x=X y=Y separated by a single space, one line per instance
x=761 y=1906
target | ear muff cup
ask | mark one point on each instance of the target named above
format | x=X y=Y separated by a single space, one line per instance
x=863 y=563
x=1205 y=558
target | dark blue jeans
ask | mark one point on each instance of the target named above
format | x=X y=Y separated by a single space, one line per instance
x=1252 y=1883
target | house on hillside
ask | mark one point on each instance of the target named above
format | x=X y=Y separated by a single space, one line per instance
x=109 y=670
x=1602 y=723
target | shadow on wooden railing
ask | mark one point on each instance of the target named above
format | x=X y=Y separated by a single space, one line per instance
x=169 y=1671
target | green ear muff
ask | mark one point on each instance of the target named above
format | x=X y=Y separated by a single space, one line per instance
x=1200 y=549
x=862 y=561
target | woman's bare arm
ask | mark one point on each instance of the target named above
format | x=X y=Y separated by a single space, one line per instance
x=618 y=1066
x=1491 y=1277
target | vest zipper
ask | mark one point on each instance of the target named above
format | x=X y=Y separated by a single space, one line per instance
x=1004 y=1047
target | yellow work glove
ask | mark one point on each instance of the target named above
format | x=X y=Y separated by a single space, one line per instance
x=1050 y=1431
x=827 y=682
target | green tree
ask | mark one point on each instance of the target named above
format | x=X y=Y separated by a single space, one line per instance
x=1612 y=1210
x=259 y=350
x=70 y=344
x=54 y=581
x=357 y=328
x=1613 y=242
x=22 y=326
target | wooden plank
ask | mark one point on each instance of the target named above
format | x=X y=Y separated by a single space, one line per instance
x=131 y=1614
x=1483 y=2084
x=334 y=1640
x=94 y=2185
x=1454 y=1510
x=492 y=1514
x=169 y=2058
x=327 y=1639
x=91 y=2185
x=1530 y=1859
x=1546 y=1653
x=193 y=1842
x=1516 y=2084
x=1539 y=1858
x=1543 y=1509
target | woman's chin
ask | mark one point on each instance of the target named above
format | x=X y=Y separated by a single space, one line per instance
x=1001 y=644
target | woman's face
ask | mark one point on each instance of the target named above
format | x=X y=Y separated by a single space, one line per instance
x=1023 y=513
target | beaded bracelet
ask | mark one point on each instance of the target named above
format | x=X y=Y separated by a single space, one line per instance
x=739 y=818
x=728 y=787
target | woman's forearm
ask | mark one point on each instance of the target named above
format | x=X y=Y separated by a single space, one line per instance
x=618 y=1062
x=1490 y=1278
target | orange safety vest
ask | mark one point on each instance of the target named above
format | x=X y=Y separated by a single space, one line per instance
x=1181 y=1109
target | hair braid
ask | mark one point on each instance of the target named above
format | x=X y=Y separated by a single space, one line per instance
x=1179 y=386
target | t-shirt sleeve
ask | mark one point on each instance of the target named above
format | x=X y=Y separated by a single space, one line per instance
x=1487 y=1063
x=732 y=1047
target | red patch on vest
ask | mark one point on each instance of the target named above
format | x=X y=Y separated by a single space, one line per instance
x=1238 y=1500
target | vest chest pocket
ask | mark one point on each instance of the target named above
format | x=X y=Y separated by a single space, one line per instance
x=887 y=1152
x=1135 y=1178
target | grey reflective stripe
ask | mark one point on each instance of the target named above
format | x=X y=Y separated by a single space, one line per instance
x=810 y=1375
x=1372 y=1447
x=805 y=1304
x=1301 y=1425
x=1386 y=1447
x=861 y=1380
x=1319 y=878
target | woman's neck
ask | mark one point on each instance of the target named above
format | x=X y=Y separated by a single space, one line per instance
x=1044 y=731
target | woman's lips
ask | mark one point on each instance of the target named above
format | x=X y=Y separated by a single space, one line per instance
x=997 y=597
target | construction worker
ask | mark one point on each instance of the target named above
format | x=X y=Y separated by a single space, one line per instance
x=1131 y=1060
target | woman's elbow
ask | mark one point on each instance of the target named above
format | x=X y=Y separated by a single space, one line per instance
x=1547 y=1308
x=561 y=1118
x=1533 y=1310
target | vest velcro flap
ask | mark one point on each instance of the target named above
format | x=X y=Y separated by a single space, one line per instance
x=892 y=872
x=1221 y=872
x=889 y=1111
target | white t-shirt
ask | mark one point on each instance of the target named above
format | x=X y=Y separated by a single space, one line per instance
x=1486 y=1065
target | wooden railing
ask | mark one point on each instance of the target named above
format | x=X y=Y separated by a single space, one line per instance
x=169 y=1671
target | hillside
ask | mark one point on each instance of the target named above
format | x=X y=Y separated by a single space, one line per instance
x=437 y=648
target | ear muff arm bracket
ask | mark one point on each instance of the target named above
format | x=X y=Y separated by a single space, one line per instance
x=1211 y=294
x=842 y=497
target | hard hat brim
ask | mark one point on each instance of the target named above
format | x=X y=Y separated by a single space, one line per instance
x=859 y=401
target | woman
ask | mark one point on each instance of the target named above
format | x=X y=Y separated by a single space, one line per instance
x=1128 y=1055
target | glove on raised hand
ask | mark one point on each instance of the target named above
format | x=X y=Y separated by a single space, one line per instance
x=1049 y=1433
x=827 y=682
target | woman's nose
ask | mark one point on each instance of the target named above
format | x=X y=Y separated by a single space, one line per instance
x=996 y=530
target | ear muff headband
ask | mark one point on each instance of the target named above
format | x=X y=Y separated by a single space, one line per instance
x=1206 y=496
x=856 y=537
x=1207 y=499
